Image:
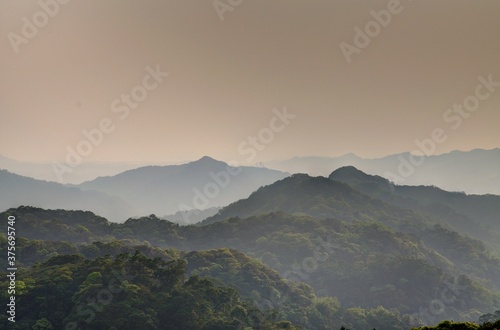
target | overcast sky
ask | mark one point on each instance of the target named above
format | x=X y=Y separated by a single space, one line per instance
x=226 y=77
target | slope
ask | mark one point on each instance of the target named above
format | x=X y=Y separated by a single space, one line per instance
x=199 y=185
x=476 y=215
x=363 y=264
x=475 y=171
x=16 y=190
x=322 y=198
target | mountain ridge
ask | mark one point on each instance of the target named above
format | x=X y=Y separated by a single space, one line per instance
x=363 y=264
x=475 y=214
x=475 y=171
x=200 y=184
x=17 y=190
x=319 y=197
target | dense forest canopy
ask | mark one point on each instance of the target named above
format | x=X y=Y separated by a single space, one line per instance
x=364 y=274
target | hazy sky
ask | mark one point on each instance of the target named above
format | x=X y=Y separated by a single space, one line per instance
x=226 y=77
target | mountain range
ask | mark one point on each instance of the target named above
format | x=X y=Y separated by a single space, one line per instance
x=162 y=190
x=348 y=249
x=201 y=184
x=473 y=172
x=83 y=172
x=17 y=190
x=476 y=215
x=352 y=195
x=183 y=191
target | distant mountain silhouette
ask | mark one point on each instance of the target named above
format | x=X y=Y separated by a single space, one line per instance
x=79 y=174
x=191 y=216
x=16 y=190
x=474 y=172
x=200 y=184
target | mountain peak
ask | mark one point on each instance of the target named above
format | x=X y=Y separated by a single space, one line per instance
x=349 y=171
x=299 y=193
x=350 y=155
x=348 y=174
x=208 y=161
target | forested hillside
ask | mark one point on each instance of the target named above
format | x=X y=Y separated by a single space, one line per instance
x=315 y=273
x=476 y=215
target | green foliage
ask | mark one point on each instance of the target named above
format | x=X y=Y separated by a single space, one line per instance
x=129 y=292
x=379 y=274
x=475 y=215
x=450 y=325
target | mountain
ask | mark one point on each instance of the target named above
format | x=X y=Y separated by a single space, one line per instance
x=352 y=249
x=322 y=198
x=188 y=192
x=191 y=216
x=16 y=190
x=476 y=215
x=131 y=291
x=199 y=185
x=45 y=171
x=475 y=172
x=367 y=266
